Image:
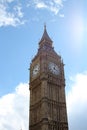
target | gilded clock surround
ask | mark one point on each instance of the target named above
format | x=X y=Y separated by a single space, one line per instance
x=47 y=89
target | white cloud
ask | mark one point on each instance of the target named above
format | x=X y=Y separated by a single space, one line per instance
x=14 y=109
x=10 y=14
x=77 y=103
x=61 y=15
x=52 y=5
x=41 y=5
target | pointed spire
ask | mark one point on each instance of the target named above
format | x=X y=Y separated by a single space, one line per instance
x=44 y=26
x=45 y=36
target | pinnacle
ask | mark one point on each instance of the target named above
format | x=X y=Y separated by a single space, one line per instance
x=45 y=35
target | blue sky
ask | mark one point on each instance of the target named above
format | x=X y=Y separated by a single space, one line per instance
x=21 y=27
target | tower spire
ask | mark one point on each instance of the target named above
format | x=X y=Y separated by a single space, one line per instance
x=45 y=36
x=44 y=26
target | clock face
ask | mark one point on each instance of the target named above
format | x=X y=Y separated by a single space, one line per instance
x=54 y=68
x=36 y=69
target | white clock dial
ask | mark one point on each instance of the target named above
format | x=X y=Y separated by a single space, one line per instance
x=53 y=68
x=36 y=69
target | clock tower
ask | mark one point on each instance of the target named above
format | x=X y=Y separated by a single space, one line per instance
x=47 y=88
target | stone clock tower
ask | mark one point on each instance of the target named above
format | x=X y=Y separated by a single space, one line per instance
x=47 y=89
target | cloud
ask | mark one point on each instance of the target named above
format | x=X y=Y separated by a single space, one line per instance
x=10 y=13
x=61 y=15
x=52 y=5
x=13 y=12
x=14 y=109
x=77 y=102
x=41 y=5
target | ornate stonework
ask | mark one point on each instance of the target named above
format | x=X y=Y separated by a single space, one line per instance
x=47 y=89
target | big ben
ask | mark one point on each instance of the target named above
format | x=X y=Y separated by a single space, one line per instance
x=47 y=88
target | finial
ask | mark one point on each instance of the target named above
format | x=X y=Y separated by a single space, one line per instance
x=44 y=26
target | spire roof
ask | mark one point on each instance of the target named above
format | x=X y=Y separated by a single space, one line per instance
x=45 y=35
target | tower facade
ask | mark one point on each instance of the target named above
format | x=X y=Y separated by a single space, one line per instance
x=47 y=89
